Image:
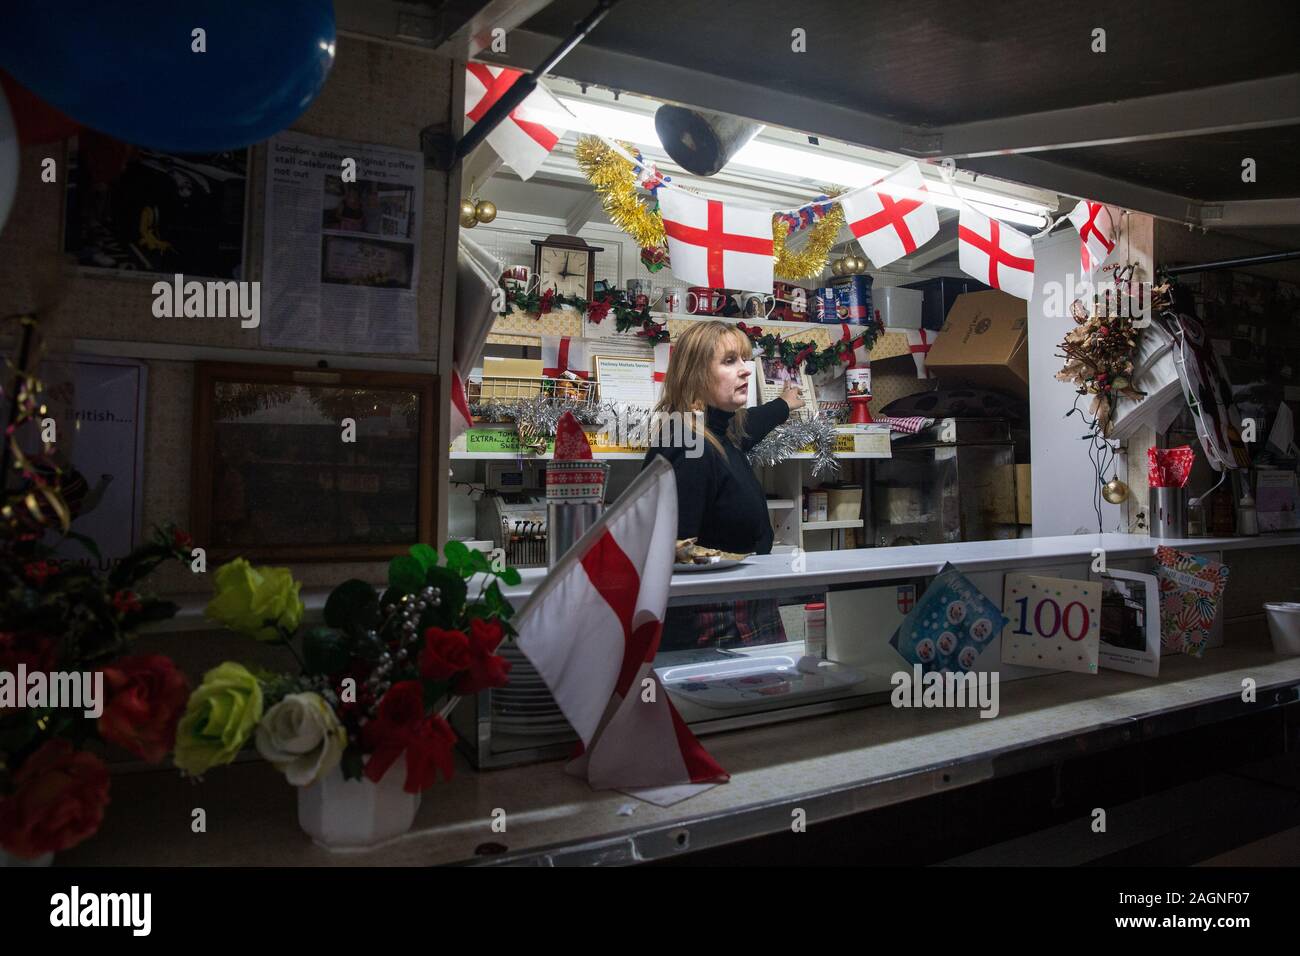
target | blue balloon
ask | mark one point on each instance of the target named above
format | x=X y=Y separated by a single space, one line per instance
x=135 y=70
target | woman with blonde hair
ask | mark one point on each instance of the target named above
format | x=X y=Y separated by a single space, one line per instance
x=720 y=500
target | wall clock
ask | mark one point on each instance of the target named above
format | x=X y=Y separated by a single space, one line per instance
x=566 y=264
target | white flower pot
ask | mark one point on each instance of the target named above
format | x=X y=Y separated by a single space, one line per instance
x=338 y=813
x=8 y=859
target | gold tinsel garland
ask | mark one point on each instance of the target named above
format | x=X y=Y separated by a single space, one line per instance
x=615 y=182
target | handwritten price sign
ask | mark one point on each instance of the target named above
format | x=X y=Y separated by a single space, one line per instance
x=1055 y=623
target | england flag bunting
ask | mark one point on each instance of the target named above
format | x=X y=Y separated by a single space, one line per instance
x=592 y=629
x=717 y=245
x=460 y=416
x=1096 y=235
x=563 y=353
x=995 y=253
x=526 y=137
x=889 y=227
x=919 y=342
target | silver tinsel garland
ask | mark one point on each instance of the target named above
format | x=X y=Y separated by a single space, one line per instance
x=540 y=415
x=789 y=439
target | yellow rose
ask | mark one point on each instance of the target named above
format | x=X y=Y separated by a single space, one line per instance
x=258 y=602
x=221 y=715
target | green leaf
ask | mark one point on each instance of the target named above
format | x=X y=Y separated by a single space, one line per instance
x=87 y=543
x=427 y=556
x=325 y=651
x=478 y=563
x=353 y=606
x=510 y=576
x=456 y=552
x=405 y=574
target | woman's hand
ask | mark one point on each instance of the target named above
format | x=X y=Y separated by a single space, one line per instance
x=790 y=395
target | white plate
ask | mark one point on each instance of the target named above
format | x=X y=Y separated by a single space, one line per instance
x=719 y=565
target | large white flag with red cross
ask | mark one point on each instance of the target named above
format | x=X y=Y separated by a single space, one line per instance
x=994 y=253
x=1096 y=235
x=526 y=137
x=715 y=244
x=890 y=226
x=592 y=629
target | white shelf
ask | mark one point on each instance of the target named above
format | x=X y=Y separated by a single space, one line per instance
x=779 y=503
x=831 y=525
x=511 y=456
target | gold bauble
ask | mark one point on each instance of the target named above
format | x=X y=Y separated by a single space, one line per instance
x=837 y=267
x=857 y=264
x=467 y=210
x=485 y=211
x=1114 y=491
x=470 y=221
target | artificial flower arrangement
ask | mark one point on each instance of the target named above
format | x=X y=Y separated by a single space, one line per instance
x=67 y=618
x=373 y=682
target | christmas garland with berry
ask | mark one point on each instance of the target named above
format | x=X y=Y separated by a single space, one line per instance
x=626 y=317
x=806 y=354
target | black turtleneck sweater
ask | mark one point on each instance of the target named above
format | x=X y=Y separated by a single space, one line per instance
x=720 y=500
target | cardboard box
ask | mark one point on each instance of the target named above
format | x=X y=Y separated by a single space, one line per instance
x=984 y=342
x=522 y=378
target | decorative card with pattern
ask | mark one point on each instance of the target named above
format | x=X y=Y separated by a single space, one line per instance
x=1190 y=588
x=1054 y=623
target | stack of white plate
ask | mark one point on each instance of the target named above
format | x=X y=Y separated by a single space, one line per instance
x=524 y=706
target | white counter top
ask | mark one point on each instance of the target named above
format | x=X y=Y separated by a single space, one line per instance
x=770 y=572
x=821 y=568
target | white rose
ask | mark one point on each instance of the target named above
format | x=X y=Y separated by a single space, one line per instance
x=302 y=738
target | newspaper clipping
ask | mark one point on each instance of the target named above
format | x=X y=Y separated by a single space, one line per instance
x=342 y=246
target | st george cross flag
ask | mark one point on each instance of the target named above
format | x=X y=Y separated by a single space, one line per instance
x=717 y=245
x=889 y=227
x=918 y=343
x=995 y=253
x=592 y=629
x=1096 y=235
x=563 y=353
x=526 y=137
x=476 y=285
x=859 y=356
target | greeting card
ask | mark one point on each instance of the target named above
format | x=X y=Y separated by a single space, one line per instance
x=950 y=625
x=1190 y=588
x=1052 y=622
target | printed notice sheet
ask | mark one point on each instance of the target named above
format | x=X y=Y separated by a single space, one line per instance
x=341 y=256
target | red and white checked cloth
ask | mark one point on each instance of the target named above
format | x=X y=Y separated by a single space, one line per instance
x=907 y=426
x=994 y=253
x=717 y=245
x=1096 y=235
x=562 y=353
x=526 y=137
x=889 y=227
x=592 y=629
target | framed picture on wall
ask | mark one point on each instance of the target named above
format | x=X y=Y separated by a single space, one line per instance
x=298 y=464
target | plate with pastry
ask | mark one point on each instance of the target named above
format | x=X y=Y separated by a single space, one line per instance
x=692 y=557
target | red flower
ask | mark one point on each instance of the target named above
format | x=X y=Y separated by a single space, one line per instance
x=37 y=650
x=486 y=669
x=57 y=801
x=445 y=653
x=126 y=602
x=182 y=540
x=429 y=751
x=146 y=697
x=548 y=298
x=38 y=571
x=596 y=311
